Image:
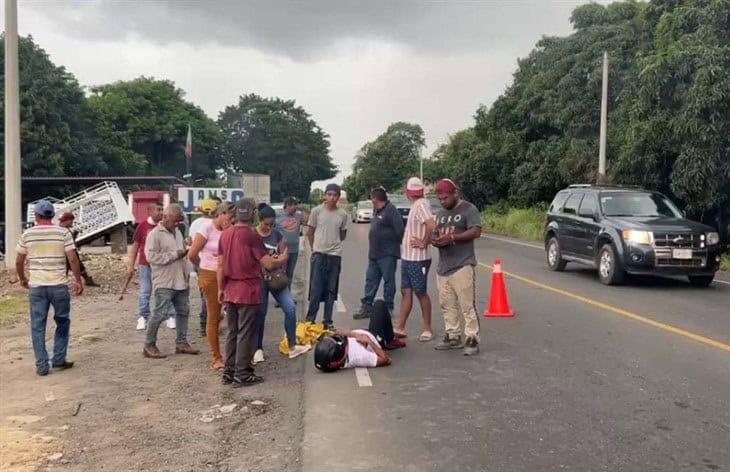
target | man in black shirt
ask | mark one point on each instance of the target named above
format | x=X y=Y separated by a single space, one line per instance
x=386 y=233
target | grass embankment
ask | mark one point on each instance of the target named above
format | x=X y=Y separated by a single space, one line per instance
x=520 y=223
x=725 y=262
x=12 y=309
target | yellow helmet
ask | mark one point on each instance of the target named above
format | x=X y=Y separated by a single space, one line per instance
x=207 y=206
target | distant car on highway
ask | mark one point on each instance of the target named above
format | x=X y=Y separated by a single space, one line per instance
x=362 y=212
x=400 y=202
x=620 y=230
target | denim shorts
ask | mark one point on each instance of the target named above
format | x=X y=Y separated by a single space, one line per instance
x=414 y=275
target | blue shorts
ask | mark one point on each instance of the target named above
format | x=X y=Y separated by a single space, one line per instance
x=414 y=276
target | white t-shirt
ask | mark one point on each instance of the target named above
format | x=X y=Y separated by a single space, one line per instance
x=359 y=355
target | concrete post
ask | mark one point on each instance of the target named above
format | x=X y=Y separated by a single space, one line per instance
x=604 y=121
x=12 y=135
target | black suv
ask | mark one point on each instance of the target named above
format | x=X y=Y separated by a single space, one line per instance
x=621 y=230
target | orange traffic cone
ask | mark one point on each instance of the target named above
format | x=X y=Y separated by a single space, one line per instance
x=498 y=303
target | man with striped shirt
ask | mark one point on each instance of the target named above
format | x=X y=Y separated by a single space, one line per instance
x=46 y=247
x=416 y=259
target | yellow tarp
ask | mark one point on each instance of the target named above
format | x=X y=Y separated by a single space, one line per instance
x=307 y=334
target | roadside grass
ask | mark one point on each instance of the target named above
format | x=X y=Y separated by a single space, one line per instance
x=725 y=261
x=520 y=223
x=12 y=309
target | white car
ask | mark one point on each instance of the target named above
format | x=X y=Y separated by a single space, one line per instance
x=362 y=212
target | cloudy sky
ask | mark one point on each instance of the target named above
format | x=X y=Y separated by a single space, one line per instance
x=355 y=66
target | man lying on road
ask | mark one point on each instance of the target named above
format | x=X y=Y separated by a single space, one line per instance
x=359 y=347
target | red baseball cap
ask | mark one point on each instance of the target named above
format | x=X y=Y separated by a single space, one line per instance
x=445 y=186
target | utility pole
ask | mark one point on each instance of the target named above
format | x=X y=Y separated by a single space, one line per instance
x=421 y=162
x=12 y=135
x=604 y=121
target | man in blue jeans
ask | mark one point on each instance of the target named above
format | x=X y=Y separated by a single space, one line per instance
x=136 y=255
x=46 y=247
x=386 y=233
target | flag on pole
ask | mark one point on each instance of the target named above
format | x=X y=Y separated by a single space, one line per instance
x=189 y=144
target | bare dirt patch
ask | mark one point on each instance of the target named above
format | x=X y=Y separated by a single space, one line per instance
x=116 y=410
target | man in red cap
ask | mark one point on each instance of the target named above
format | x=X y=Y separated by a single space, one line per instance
x=458 y=224
x=67 y=221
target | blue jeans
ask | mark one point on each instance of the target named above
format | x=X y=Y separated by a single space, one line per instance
x=169 y=301
x=145 y=290
x=291 y=264
x=286 y=300
x=382 y=268
x=41 y=299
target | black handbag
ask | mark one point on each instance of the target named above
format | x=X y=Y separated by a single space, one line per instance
x=276 y=281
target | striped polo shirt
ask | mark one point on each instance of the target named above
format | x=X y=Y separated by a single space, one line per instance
x=45 y=246
x=416 y=227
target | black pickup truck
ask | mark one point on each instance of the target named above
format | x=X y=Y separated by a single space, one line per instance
x=620 y=230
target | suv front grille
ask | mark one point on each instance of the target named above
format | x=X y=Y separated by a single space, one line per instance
x=666 y=260
x=678 y=241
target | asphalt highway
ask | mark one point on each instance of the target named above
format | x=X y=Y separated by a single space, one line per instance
x=585 y=377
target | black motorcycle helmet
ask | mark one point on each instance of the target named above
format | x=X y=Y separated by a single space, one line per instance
x=330 y=353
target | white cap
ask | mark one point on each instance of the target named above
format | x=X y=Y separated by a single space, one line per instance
x=414 y=184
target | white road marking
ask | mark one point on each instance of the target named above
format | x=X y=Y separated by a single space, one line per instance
x=341 y=308
x=519 y=243
x=536 y=246
x=363 y=377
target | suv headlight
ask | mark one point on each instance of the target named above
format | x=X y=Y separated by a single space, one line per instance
x=637 y=237
x=712 y=238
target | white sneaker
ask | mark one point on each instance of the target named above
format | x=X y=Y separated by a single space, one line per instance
x=258 y=356
x=298 y=350
x=141 y=324
x=171 y=323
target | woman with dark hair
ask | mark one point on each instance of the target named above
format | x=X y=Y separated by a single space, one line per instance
x=276 y=284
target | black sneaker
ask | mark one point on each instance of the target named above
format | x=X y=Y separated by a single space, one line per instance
x=449 y=343
x=363 y=313
x=249 y=380
x=63 y=365
x=227 y=379
x=472 y=347
x=42 y=373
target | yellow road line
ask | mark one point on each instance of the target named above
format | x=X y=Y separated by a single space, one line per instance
x=618 y=311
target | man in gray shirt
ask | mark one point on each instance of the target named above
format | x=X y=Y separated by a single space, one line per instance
x=327 y=229
x=458 y=224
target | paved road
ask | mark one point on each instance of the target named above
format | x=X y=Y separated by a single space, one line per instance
x=585 y=377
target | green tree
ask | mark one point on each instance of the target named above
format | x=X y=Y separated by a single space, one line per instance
x=388 y=161
x=142 y=129
x=56 y=126
x=678 y=134
x=316 y=196
x=276 y=137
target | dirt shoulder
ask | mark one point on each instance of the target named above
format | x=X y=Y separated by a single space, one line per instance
x=116 y=410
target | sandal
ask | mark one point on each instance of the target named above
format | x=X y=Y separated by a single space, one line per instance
x=399 y=334
x=426 y=336
x=247 y=381
x=217 y=365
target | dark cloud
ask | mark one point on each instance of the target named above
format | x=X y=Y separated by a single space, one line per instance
x=306 y=30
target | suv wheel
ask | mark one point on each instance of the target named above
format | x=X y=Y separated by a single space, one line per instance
x=555 y=259
x=700 y=280
x=610 y=270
